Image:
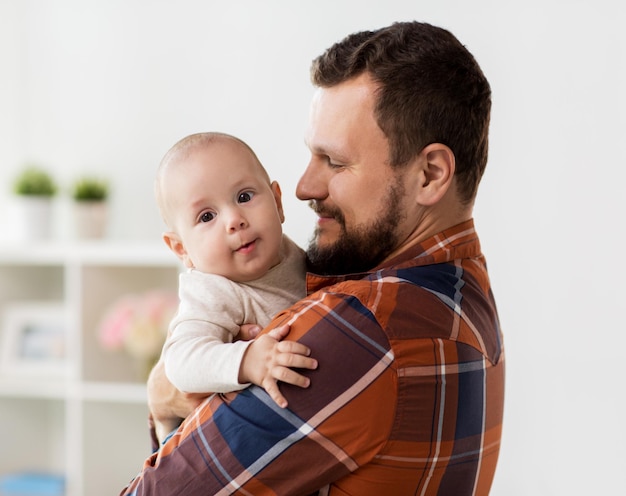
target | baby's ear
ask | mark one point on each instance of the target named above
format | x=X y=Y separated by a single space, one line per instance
x=174 y=243
x=278 y=198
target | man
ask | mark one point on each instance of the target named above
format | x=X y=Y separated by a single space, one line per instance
x=408 y=394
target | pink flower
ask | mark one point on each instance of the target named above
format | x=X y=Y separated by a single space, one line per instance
x=138 y=323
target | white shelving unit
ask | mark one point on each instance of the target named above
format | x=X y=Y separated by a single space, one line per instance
x=89 y=424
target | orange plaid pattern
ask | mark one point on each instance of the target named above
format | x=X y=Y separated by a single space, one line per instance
x=407 y=398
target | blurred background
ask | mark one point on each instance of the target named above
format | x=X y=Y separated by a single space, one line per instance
x=105 y=88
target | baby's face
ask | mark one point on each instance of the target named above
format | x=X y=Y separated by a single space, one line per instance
x=225 y=211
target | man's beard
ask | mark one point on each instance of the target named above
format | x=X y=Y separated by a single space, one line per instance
x=362 y=249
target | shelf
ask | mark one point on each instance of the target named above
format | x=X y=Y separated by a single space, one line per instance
x=96 y=397
x=88 y=252
x=113 y=392
x=32 y=388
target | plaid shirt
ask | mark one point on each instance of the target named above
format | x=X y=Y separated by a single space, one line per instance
x=407 y=397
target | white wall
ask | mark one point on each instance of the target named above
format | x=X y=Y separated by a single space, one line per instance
x=108 y=86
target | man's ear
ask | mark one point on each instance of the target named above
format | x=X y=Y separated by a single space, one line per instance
x=437 y=165
x=278 y=198
x=174 y=243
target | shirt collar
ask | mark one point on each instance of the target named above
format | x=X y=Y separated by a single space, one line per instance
x=460 y=241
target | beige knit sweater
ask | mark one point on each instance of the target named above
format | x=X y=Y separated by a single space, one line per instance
x=200 y=353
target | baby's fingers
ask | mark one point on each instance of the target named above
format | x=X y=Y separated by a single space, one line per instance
x=295 y=355
x=295 y=361
x=272 y=389
x=279 y=332
x=293 y=347
x=289 y=376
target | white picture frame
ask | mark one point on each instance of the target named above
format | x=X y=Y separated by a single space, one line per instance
x=33 y=340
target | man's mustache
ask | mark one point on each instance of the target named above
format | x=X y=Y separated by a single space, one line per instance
x=325 y=211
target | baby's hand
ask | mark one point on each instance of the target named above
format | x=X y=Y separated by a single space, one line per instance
x=269 y=360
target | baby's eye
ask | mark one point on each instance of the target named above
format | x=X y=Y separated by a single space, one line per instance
x=207 y=217
x=245 y=197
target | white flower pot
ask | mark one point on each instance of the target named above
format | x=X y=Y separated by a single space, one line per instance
x=34 y=217
x=91 y=218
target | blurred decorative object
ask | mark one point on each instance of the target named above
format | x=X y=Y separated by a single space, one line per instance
x=32 y=484
x=137 y=324
x=33 y=339
x=91 y=210
x=89 y=189
x=34 y=181
x=34 y=189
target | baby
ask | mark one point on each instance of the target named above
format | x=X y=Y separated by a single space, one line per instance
x=224 y=219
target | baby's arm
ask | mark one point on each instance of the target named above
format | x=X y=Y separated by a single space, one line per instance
x=268 y=360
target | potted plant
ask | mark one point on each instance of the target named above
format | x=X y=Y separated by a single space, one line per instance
x=89 y=189
x=36 y=182
x=34 y=189
x=90 y=195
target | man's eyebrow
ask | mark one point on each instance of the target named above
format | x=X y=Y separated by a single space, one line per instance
x=318 y=148
x=326 y=150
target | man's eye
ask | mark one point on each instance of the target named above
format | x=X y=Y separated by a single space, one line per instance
x=207 y=217
x=332 y=164
x=245 y=197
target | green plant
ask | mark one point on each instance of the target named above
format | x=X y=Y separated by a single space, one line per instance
x=34 y=181
x=90 y=189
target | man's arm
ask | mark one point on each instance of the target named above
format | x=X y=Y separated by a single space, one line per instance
x=168 y=406
x=244 y=440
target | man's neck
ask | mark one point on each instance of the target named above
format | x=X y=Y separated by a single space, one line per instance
x=433 y=221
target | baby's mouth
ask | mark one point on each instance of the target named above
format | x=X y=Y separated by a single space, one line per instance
x=246 y=247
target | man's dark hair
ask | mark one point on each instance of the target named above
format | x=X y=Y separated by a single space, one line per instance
x=431 y=90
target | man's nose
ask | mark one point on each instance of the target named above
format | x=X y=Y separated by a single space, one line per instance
x=313 y=185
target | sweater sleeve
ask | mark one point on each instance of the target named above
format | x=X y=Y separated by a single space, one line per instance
x=199 y=354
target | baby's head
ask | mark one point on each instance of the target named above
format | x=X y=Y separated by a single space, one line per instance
x=222 y=212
